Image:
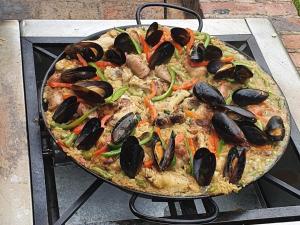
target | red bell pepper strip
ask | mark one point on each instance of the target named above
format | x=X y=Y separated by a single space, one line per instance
x=148 y=163
x=146 y=48
x=104 y=64
x=186 y=85
x=78 y=129
x=197 y=64
x=191 y=41
x=105 y=119
x=54 y=84
x=101 y=150
x=81 y=60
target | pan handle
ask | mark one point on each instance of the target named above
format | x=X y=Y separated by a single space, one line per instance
x=211 y=207
x=166 y=5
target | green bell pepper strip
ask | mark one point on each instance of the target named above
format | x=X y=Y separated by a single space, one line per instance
x=70 y=140
x=173 y=163
x=116 y=95
x=207 y=40
x=112 y=146
x=259 y=124
x=220 y=147
x=228 y=100
x=176 y=54
x=135 y=43
x=169 y=91
x=102 y=172
x=99 y=72
x=111 y=153
x=186 y=143
x=87 y=155
x=75 y=123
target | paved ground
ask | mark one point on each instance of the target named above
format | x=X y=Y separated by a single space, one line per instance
x=282 y=13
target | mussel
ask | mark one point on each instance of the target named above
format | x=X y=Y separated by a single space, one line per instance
x=180 y=35
x=220 y=69
x=227 y=129
x=124 y=127
x=90 y=51
x=208 y=94
x=124 y=43
x=161 y=55
x=235 y=164
x=89 y=135
x=131 y=156
x=249 y=96
x=93 y=91
x=242 y=73
x=163 y=154
x=253 y=134
x=115 y=56
x=213 y=52
x=275 y=128
x=204 y=166
x=80 y=73
x=66 y=110
x=197 y=53
x=153 y=35
x=237 y=113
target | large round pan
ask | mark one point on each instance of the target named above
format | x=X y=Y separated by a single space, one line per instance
x=210 y=205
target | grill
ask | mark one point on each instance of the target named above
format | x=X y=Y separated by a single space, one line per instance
x=60 y=188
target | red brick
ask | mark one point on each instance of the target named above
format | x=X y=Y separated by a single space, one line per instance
x=296 y=58
x=286 y=24
x=278 y=9
x=291 y=41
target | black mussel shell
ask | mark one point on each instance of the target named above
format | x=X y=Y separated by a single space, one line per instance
x=153 y=35
x=237 y=113
x=90 y=51
x=89 y=135
x=214 y=65
x=249 y=96
x=204 y=166
x=115 y=56
x=180 y=35
x=275 y=128
x=124 y=43
x=253 y=134
x=235 y=164
x=227 y=129
x=93 y=91
x=213 y=52
x=80 y=73
x=131 y=156
x=124 y=128
x=66 y=110
x=164 y=160
x=242 y=73
x=162 y=54
x=197 y=53
x=225 y=71
x=208 y=94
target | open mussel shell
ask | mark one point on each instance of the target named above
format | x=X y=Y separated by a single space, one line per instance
x=153 y=35
x=180 y=35
x=131 y=156
x=164 y=156
x=124 y=43
x=162 y=54
x=242 y=73
x=253 y=134
x=237 y=113
x=227 y=129
x=275 y=128
x=115 y=56
x=235 y=164
x=80 y=73
x=66 y=110
x=204 y=166
x=208 y=94
x=124 y=127
x=93 y=91
x=197 y=53
x=249 y=96
x=90 y=51
x=220 y=69
x=89 y=135
x=213 y=52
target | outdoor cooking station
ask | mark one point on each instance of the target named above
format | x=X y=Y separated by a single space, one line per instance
x=41 y=186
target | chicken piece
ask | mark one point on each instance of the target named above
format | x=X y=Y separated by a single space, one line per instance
x=190 y=103
x=137 y=82
x=127 y=74
x=82 y=108
x=66 y=64
x=173 y=102
x=162 y=72
x=137 y=65
x=106 y=41
x=114 y=73
x=55 y=98
x=198 y=72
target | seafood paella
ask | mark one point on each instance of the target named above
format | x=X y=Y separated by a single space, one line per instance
x=167 y=111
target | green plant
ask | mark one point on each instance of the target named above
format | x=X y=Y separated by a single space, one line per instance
x=297 y=4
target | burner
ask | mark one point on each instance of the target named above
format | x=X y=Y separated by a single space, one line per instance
x=57 y=182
